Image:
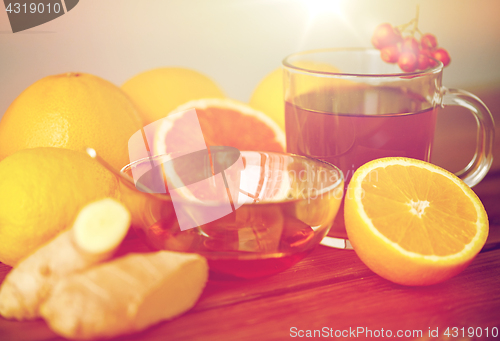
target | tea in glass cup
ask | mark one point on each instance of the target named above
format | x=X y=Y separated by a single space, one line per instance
x=348 y=107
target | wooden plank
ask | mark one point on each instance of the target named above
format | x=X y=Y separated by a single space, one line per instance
x=323 y=266
x=366 y=299
x=470 y=299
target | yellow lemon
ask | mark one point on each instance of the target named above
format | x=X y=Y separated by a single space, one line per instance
x=159 y=91
x=41 y=191
x=73 y=111
x=268 y=97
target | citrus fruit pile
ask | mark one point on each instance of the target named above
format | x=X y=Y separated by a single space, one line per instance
x=45 y=177
x=412 y=222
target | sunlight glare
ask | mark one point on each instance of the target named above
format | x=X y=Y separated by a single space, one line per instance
x=316 y=7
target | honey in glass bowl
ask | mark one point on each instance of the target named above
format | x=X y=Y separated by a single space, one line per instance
x=280 y=207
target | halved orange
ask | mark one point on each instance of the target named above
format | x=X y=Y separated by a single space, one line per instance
x=412 y=222
x=223 y=122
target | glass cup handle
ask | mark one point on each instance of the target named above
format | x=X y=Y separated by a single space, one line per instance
x=477 y=168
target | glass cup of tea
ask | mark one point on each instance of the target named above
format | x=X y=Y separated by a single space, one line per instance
x=348 y=106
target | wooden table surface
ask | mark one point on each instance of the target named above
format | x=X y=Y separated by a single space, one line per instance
x=332 y=290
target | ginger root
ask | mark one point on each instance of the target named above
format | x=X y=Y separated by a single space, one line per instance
x=125 y=295
x=96 y=233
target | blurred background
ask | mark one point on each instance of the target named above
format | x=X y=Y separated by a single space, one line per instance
x=238 y=42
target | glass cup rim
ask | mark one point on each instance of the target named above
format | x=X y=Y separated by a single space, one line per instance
x=131 y=183
x=288 y=64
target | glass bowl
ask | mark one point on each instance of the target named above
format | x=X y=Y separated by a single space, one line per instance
x=249 y=213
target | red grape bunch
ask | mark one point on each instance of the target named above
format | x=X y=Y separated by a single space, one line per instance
x=399 y=45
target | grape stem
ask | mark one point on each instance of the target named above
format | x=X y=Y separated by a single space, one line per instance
x=403 y=27
x=415 y=26
x=413 y=21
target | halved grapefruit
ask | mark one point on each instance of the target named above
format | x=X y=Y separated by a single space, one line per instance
x=224 y=122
